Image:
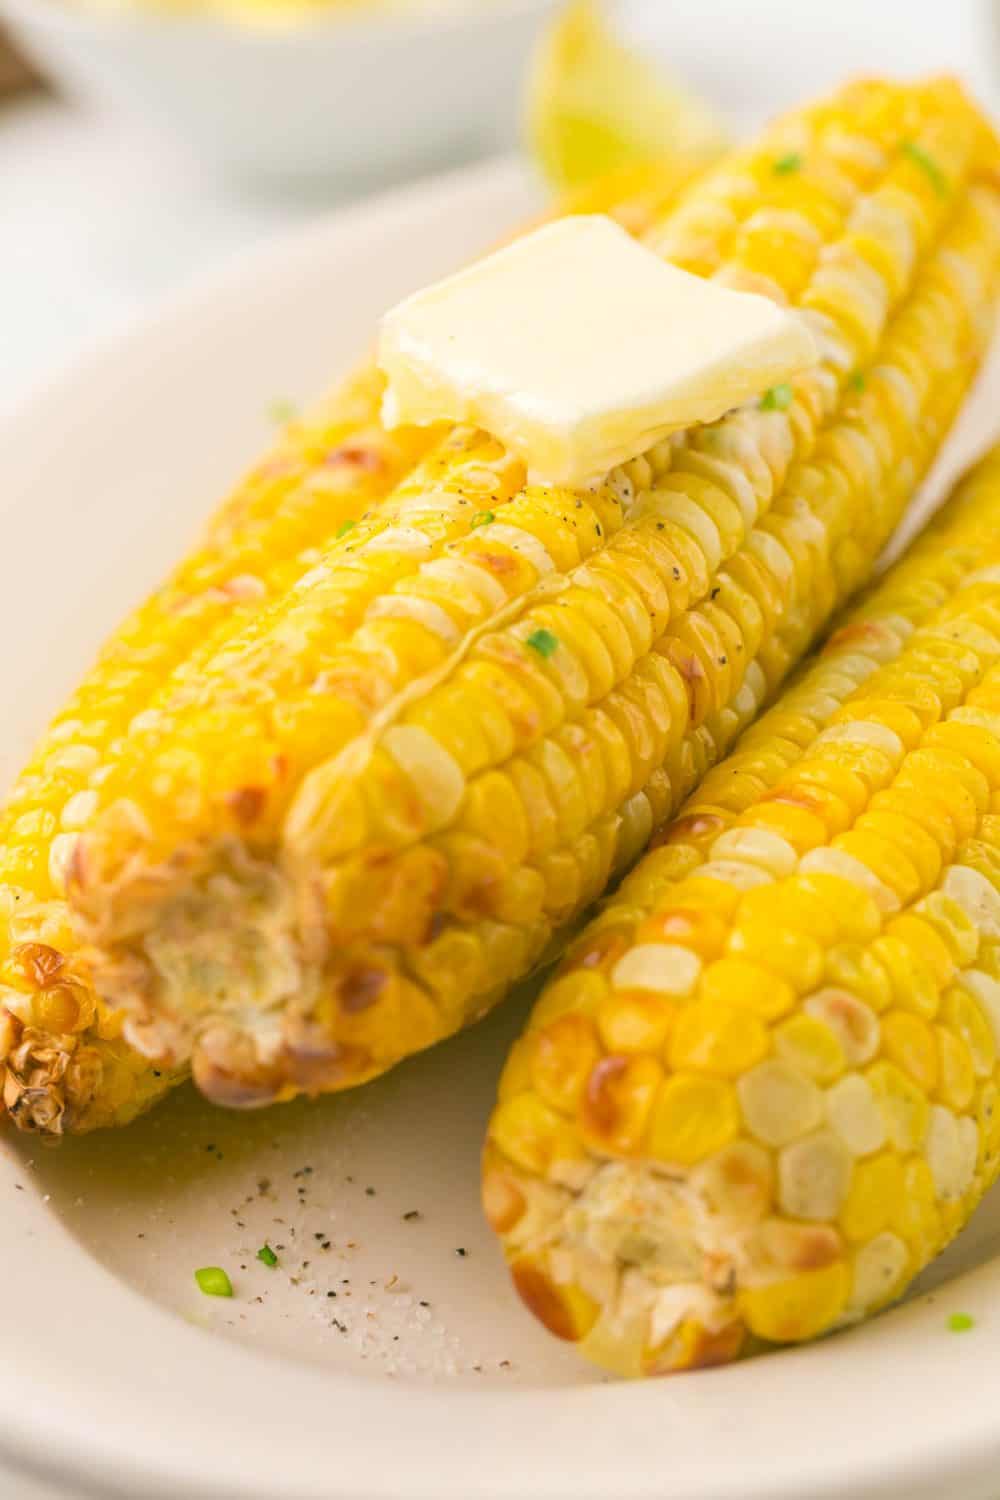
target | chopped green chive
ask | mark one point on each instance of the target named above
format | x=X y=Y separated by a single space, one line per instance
x=345 y=528
x=961 y=1322
x=791 y=162
x=856 y=381
x=267 y=1255
x=214 y=1282
x=777 y=398
x=282 y=410
x=927 y=164
x=482 y=518
x=542 y=641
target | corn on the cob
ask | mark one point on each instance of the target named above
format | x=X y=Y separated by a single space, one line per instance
x=762 y=1093
x=384 y=800
x=63 y=1062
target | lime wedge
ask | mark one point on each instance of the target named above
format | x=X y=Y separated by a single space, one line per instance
x=594 y=106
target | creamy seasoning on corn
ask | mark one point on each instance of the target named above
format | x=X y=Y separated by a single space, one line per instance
x=580 y=348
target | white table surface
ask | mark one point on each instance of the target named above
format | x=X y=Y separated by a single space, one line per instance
x=99 y=217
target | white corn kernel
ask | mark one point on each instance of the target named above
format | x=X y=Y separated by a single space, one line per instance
x=854 y=1024
x=778 y=1103
x=813 y=1176
x=756 y=846
x=853 y=1113
x=977 y=897
x=436 y=776
x=665 y=967
x=879 y=1269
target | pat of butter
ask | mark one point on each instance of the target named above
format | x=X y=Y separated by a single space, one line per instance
x=579 y=348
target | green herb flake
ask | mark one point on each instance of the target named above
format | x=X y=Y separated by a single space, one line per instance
x=213 y=1281
x=345 y=528
x=961 y=1323
x=482 y=518
x=778 y=398
x=856 y=381
x=927 y=164
x=542 y=641
x=790 y=162
x=282 y=410
x=267 y=1255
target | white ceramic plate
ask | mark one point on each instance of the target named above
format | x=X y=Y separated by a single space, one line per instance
x=116 y=1375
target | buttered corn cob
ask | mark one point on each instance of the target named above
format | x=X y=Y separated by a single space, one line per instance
x=762 y=1093
x=63 y=1061
x=64 y=1064
x=386 y=798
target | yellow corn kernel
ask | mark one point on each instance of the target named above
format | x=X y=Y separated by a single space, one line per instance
x=737 y=981
x=858 y=971
x=532 y=1135
x=791 y=817
x=909 y=1041
x=635 y=1021
x=693 y=1117
x=963 y=1017
x=874 y=1198
x=885 y=861
x=912 y=981
x=797 y=958
x=712 y=1037
x=580 y=990
x=799 y=1307
x=956 y=1075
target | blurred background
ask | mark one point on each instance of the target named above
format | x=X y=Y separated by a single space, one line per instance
x=142 y=144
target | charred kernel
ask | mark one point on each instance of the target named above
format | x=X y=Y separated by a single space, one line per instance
x=565 y=1052
x=565 y=1311
x=704 y=932
x=40 y=964
x=503 y=1202
x=737 y=1182
x=616 y=1102
x=532 y=1135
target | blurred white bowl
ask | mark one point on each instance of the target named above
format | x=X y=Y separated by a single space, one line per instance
x=351 y=95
